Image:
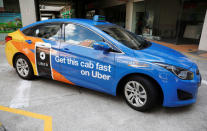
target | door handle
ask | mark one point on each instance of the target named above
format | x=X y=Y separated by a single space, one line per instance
x=66 y=49
x=28 y=41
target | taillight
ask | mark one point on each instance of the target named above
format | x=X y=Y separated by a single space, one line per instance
x=8 y=38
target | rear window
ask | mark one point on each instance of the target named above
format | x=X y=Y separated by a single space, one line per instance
x=47 y=31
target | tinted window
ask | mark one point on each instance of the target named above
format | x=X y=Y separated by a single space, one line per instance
x=75 y=34
x=47 y=31
x=127 y=38
x=29 y=31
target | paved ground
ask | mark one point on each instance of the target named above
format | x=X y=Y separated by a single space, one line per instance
x=74 y=108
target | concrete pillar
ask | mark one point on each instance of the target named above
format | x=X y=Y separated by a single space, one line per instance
x=28 y=13
x=129 y=13
x=203 y=40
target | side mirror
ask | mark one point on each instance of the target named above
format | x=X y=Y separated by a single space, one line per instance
x=101 y=46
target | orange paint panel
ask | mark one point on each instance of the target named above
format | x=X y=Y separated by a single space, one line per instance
x=59 y=77
x=17 y=45
x=10 y=51
x=33 y=39
x=24 y=47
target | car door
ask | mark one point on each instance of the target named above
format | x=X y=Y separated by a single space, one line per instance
x=81 y=63
x=45 y=39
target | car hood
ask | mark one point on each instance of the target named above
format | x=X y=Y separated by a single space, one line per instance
x=163 y=54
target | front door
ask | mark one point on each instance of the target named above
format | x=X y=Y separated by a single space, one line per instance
x=82 y=64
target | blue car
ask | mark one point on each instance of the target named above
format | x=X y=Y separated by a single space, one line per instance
x=105 y=57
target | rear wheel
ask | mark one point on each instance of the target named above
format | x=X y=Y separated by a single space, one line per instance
x=24 y=67
x=140 y=93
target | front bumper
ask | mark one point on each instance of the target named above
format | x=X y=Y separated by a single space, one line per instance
x=179 y=92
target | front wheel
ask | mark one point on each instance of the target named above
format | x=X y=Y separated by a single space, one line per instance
x=23 y=67
x=140 y=93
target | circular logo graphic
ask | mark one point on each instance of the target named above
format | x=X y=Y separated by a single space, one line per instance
x=42 y=55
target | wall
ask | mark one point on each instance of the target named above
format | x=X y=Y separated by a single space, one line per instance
x=137 y=7
x=167 y=14
x=115 y=14
x=109 y=3
x=28 y=13
x=203 y=40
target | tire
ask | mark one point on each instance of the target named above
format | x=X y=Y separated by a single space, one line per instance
x=24 y=67
x=140 y=93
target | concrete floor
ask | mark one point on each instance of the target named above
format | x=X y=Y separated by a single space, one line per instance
x=74 y=108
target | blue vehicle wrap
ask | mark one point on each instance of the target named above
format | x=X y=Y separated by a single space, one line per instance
x=102 y=71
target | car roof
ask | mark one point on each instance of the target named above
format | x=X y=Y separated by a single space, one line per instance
x=73 y=20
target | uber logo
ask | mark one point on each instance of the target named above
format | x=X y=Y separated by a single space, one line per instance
x=42 y=55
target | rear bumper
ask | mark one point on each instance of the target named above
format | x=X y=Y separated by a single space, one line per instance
x=10 y=51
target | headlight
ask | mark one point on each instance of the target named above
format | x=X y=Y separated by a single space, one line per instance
x=182 y=73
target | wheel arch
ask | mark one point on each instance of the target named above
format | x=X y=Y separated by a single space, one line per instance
x=122 y=81
x=14 y=57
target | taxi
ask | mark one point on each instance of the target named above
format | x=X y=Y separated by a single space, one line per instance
x=104 y=57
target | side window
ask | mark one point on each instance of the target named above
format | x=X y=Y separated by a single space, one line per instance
x=29 y=31
x=47 y=31
x=75 y=34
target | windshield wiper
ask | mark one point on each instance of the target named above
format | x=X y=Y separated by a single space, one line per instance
x=144 y=44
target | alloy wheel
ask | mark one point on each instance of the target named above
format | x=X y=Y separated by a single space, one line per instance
x=135 y=93
x=22 y=67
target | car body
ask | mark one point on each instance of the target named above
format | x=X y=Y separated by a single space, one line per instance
x=70 y=55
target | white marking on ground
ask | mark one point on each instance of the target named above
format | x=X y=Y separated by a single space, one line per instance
x=21 y=99
x=204 y=82
x=5 y=67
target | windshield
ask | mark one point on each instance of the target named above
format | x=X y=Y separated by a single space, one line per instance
x=127 y=38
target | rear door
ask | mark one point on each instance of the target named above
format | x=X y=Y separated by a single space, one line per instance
x=45 y=39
